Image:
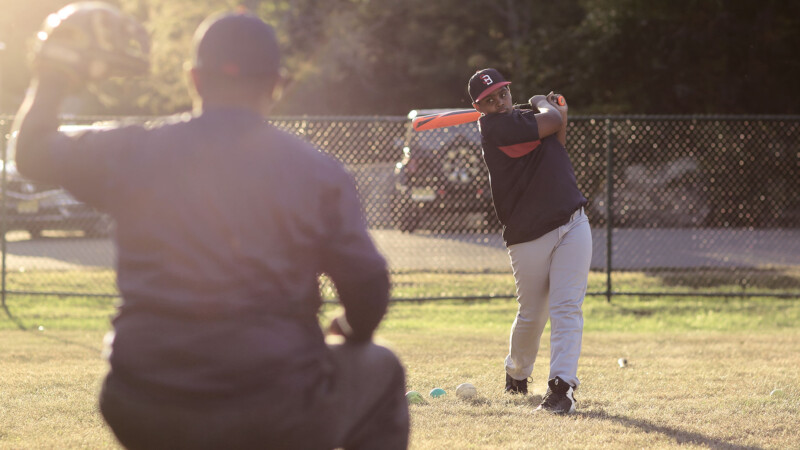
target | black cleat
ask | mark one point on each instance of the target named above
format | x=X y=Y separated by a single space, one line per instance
x=516 y=386
x=559 y=399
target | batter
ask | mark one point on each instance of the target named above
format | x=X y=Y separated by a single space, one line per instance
x=537 y=200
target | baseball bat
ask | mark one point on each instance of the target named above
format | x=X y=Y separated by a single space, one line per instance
x=458 y=117
x=445 y=119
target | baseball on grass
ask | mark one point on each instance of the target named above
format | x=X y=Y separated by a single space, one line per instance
x=466 y=390
x=622 y=362
x=437 y=392
x=414 y=397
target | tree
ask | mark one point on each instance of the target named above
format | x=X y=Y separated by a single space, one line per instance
x=383 y=56
x=368 y=57
x=18 y=24
x=692 y=56
x=171 y=25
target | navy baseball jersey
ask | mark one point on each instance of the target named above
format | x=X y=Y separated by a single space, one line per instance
x=223 y=225
x=532 y=180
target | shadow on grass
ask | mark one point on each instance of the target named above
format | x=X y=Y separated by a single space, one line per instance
x=653 y=306
x=95 y=350
x=36 y=332
x=681 y=437
x=531 y=401
x=11 y=317
x=716 y=277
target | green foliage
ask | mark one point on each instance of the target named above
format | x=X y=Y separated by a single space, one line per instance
x=387 y=56
x=688 y=57
x=19 y=20
x=171 y=25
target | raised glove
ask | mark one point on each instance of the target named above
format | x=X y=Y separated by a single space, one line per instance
x=90 y=41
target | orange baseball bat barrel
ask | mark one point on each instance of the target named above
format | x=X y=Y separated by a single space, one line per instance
x=445 y=119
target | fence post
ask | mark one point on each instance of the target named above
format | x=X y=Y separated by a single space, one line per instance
x=3 y=142
x=609 y=201
x=3 y=219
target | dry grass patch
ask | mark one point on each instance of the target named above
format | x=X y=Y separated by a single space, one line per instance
x=700 y=375
x=704 y=390
x=48 y=390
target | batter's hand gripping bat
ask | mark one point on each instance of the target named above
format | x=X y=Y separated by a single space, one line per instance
x=456 y=117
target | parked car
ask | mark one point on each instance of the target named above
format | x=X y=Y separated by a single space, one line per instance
x=669 y=194
x=36 y=207
x=441 y=181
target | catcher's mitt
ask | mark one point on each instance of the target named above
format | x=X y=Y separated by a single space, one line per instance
x=91 y=41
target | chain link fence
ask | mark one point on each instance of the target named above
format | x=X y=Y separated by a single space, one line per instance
x=699 y=205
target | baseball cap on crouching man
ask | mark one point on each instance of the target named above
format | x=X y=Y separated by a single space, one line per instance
x=484 y=82
x=236 y=45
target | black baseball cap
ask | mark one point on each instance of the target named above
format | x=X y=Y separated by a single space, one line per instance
x=484 y=82
x=236 y=44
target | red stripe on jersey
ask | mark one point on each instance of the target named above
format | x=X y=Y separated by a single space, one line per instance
x=521 y=149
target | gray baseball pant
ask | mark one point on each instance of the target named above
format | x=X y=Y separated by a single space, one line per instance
x=551 y=275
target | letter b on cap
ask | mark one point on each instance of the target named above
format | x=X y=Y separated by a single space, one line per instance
x=487 y=80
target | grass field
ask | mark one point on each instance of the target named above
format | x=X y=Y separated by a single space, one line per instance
x=703 y=372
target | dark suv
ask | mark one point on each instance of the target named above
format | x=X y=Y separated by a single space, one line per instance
x=441 y=182
x=36 y=207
